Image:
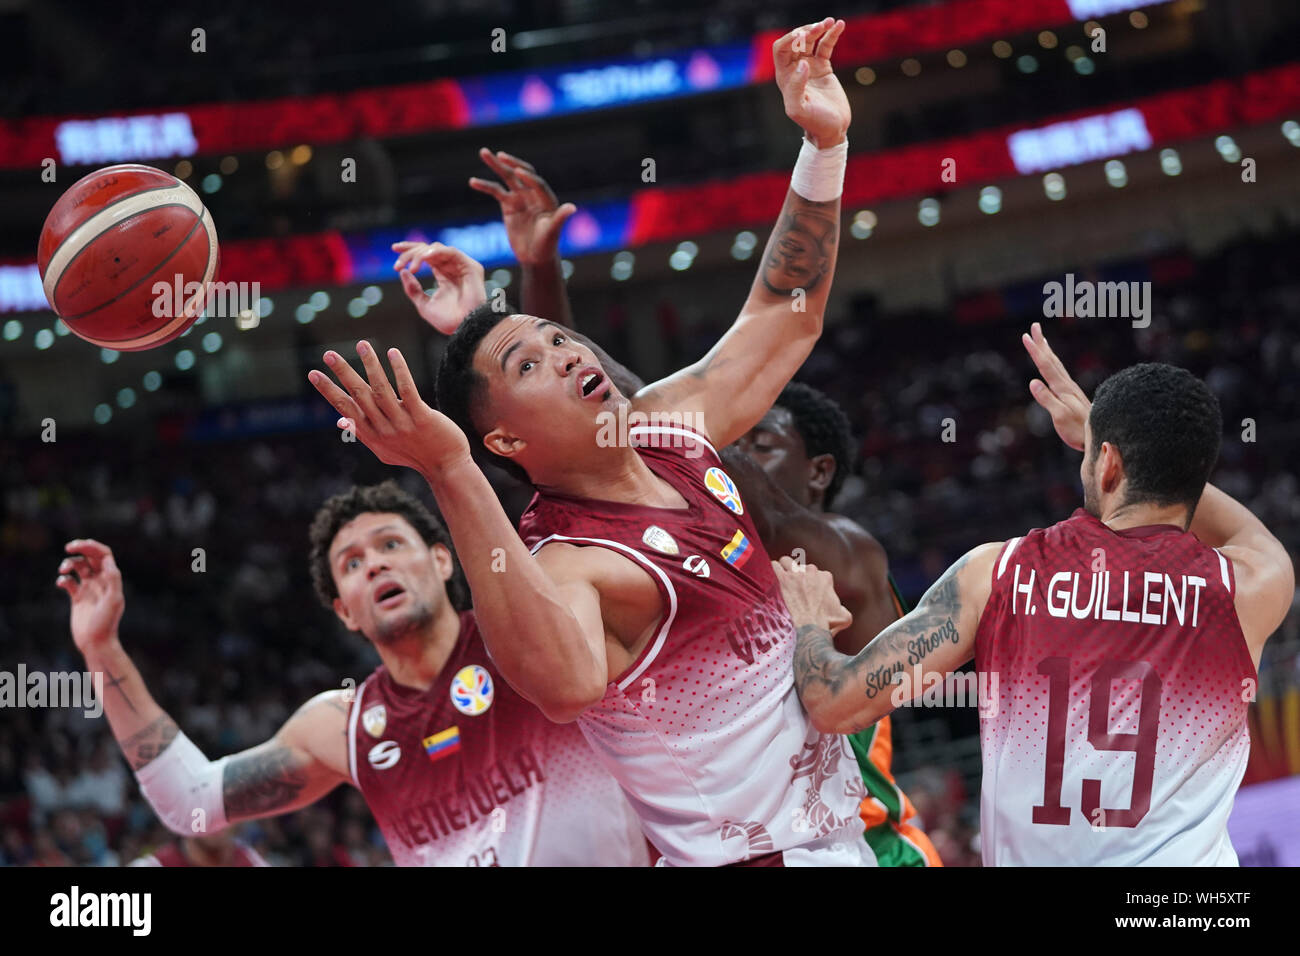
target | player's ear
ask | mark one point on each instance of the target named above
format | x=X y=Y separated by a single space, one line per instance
x=500 y=443
x=1110 y=467
x=443 y=560
x=344 y=616
x=821 y=472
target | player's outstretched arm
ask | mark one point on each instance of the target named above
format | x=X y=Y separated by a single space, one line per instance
x=845 y=694
x=1264 y=572
x=545 y=635
x=299 y=766
x=741 y=376
x=306 y=759
x=534 y=220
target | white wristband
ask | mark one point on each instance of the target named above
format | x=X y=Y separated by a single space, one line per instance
x=181 y=780
x=819 y=173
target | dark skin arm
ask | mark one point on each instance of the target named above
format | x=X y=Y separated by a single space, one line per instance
x=832 y=542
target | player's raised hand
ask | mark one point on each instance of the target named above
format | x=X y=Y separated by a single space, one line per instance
x=1057 y=391
x=813 y=96
x=396 y=425
x=810 y=595
x=459 y=280
x=533 y=216
x=90 y=576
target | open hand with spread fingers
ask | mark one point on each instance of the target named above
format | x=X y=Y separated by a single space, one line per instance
x=532 y=215
x=812 y=93
x=1057 y=391
x=396 y=425
x=459 y=279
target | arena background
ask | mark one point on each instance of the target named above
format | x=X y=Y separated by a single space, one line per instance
x=1173 y=156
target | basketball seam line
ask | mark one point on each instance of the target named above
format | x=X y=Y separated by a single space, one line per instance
x=198 y=221
x=120 y=199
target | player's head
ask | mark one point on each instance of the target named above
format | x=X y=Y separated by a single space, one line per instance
x=805 y=444
x=383 y=563
x=1152 y=437
x=525 y=389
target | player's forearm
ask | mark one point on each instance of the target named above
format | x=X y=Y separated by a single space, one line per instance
x=844 y=694
x=181 y=785
x=793 y=281
x=141 y=727
x=543 y=292
x=529 y=629
x=1220 y=520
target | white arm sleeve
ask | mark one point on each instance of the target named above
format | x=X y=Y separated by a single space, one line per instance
x=179 y=783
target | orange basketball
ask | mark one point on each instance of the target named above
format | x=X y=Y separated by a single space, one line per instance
x=108 y=244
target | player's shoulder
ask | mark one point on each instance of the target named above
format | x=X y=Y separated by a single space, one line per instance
x=861 y=544
x=336 y=700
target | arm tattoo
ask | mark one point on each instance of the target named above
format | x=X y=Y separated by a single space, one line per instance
x=146 y=744
x=262 y=781
x=802 y=246
x=116 y=683
x=820 y=669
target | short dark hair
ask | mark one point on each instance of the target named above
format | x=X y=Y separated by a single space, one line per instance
x=460 y=390
x=1167 y=426
x=824 y=428
x=384 y=498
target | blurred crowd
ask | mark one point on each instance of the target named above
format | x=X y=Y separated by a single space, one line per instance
x=231 y=650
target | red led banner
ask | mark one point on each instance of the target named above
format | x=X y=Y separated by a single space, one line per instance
x=663 y=214
x=669 y=214
x=214 y=128
x=923 y=29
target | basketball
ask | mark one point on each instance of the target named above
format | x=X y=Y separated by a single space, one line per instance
x=109 y=244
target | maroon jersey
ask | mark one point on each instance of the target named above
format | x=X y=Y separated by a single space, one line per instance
x=171 y=854
x=704 y=730
x=468 y=773
x=1117 y=678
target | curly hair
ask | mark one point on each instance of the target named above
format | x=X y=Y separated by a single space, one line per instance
x=384 y=498
x=1167 y=426
x=824 y=428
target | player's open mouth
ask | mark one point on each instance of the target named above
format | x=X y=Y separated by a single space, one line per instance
x=387 y=595
x=590 y=381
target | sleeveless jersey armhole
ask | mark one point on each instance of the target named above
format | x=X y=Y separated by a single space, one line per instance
x=353 y=714
x=666 y=591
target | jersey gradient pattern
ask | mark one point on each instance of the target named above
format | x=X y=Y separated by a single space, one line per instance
x=468 y=773
x=705 y=730
x=1114 y=730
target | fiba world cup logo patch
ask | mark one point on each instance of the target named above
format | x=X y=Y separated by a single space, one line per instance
x=724 y=489
x=471 y=690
